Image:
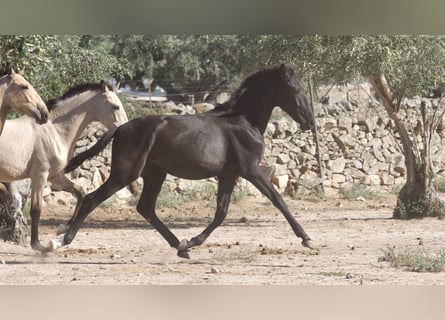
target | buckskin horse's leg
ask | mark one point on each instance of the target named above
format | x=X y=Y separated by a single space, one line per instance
x=153 y=180
x=225 y=188
x=257 y=178
x=37 y=185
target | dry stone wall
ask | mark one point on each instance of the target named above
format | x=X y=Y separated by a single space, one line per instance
x=357 y=146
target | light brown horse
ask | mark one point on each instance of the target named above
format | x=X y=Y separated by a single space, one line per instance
x=44 y=150
x=16 y=93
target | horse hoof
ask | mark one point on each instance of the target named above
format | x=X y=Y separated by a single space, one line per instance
x=53 y=245
x=38 y=247
x=183 y=245
x=308 y=244
x=183 y=254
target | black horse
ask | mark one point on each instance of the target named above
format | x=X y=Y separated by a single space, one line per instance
x=226 y=142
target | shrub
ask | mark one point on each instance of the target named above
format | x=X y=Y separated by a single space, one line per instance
x=359 y=190
x=414 y=260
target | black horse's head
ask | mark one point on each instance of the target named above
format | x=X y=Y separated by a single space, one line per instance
x=293 y=98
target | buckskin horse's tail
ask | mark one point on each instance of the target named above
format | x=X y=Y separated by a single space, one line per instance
x=91 y=152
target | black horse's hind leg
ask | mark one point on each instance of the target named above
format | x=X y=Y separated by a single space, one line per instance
x=153 y=180
x=225 y=188
x=257 y=178
x=61 y=182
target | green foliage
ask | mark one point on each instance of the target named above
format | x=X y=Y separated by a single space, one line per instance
x=203 y=63
x=327 y=59
x=73 y=64
x=110 y=202
x=30 y=51
x=183 y=64
x=302 y=192
x=134 y=108
x=439 y=184
x=172 y=198
x=54 y=63
x=420 y=208
x=412 y=64
x=414 y=260
x=359 y=190
x=240 y=192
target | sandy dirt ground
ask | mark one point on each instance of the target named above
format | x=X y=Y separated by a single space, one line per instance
x=255 y=245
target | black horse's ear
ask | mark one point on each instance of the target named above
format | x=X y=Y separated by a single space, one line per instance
x=286 y=71
x=103 y=86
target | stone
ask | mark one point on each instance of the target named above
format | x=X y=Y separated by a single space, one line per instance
x=283 y=158
x=386 y=178
x=399 y=164
x=345 y=123
x=97 y=179
x=337 y=165
x=203 y=107
x=372 y=179
x=337 y=180
x=184 y=185
x=356 y=146
x=279 y=170
x=280 y=128
x=123 y=194
x=280 y=181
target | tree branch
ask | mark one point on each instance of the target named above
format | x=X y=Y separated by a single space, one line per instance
x=382 y=88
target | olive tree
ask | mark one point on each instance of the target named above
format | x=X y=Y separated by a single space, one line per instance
x=397 y=67
x=55 y=63
x=198 y=65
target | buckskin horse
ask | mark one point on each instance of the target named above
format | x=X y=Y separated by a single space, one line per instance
x=44 y=150
x=16 y=93
x=226 y=142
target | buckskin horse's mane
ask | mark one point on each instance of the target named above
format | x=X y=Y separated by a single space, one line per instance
x=52 y=103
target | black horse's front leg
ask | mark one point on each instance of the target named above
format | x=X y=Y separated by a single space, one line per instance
x=257 y=178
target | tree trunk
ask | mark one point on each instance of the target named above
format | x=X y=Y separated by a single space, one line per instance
x=418 y=197
x=16 y=229
x=316 y=138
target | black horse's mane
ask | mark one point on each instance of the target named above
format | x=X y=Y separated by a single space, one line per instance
x=52 y=103
x=4 y=70
x=229 y=107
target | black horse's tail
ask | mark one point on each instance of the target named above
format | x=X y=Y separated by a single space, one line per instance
x=91 y=152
